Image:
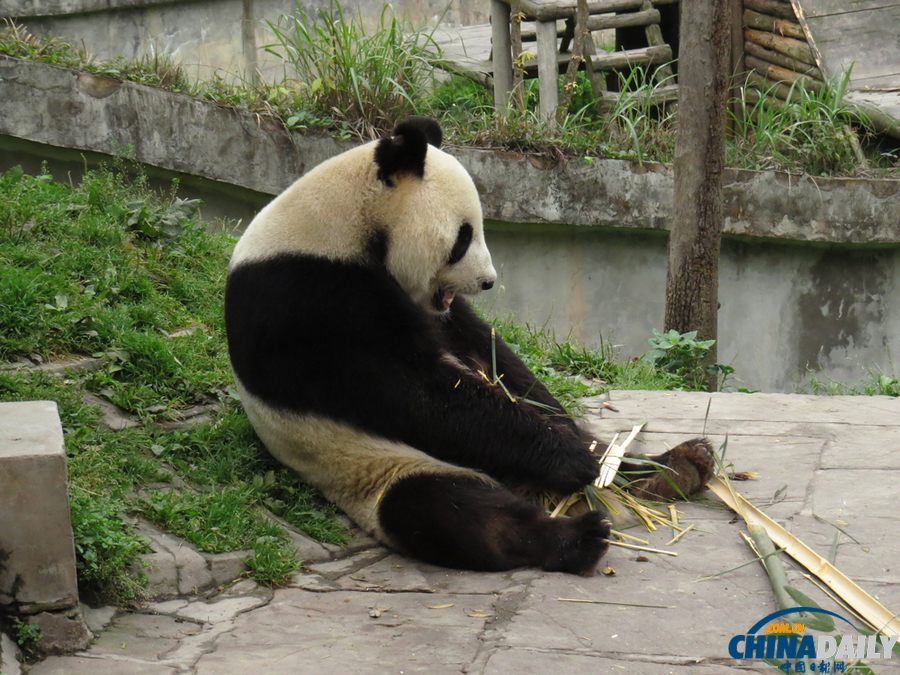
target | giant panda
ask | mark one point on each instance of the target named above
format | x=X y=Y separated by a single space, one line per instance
x=361 y=366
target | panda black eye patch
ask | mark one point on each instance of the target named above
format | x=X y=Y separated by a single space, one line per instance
x=463 y=239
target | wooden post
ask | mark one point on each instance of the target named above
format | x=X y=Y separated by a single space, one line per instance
x=696 y=230
x=501 y=55
x=548 y=69
x=738 y=74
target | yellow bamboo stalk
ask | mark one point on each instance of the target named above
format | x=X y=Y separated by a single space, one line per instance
x=879 y=617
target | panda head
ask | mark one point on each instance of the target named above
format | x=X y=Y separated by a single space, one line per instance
x=429 y=214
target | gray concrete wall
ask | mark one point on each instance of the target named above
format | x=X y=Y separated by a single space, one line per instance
x=785 y=309
x=810 y=268
x=207 y=36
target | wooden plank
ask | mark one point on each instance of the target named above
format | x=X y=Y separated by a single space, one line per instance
x=867 y=40
x=501 y=51
x=830 y=7
x=548 y=69
x=862 y=34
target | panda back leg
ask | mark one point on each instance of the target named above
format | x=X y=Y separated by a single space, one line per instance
x=470 y=522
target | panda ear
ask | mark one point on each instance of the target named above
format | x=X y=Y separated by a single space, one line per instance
x=404 y=152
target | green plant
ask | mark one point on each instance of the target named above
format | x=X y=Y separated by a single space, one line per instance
x=106 y=550
x=28 y=636
x=639 y=121
x=682 y=354
x=810 y=130
x=342 y=70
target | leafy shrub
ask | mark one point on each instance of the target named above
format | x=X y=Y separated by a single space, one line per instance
x=683 y=355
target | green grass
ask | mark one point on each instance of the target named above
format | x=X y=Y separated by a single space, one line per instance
x=350 y=82
x=876 y=383
x=111 y=269
x=341 y=70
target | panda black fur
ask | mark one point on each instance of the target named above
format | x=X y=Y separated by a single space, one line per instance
x=357 y=371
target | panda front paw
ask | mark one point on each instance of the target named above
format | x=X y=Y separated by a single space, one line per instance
x=574 y=468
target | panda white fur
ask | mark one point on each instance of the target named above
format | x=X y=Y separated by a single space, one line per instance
x=357 y=363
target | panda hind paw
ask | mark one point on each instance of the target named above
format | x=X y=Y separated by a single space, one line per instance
x=579 y=544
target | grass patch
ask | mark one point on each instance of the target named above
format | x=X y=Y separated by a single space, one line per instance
x=352 y=82
x=571 y=371
x=341 y=70
x=112 y=269
x=875 y=383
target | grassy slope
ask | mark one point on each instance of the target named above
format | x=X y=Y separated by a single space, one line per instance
x=109 y=269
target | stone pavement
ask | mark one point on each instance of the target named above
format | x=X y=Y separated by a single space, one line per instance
x=834 y=459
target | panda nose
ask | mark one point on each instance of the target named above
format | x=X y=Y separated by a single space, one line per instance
x=487 y=285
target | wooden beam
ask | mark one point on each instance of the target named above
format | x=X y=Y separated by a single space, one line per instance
x=645 y=17
x=779 y=74
x=779 y=59
x=548 y=70
x=626 y=58
x=796 y=49
x=779 y=8
x=773 y=25
x=562 y=10
x=501 y=54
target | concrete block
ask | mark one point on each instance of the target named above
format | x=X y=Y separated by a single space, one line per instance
x=37 y=554
x=226 y=567
x=9 y=656
x=62 y=631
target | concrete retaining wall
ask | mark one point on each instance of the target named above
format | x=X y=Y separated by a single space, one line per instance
x=810 y=272
x=206 y=36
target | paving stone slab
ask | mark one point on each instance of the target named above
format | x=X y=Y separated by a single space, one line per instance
x=344 y=632
x=81 y=665
x=342 y=566
x=378 y=612
x=142 y=636
x=534 y=662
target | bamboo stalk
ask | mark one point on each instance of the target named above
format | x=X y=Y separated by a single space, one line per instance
x=777 y=8
x=773 y=25
x=796 y=49
x=625 y=535
x=635 y=547
x=778 y=59
x=779 y=74
x=674 y=540
x=878 y=616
